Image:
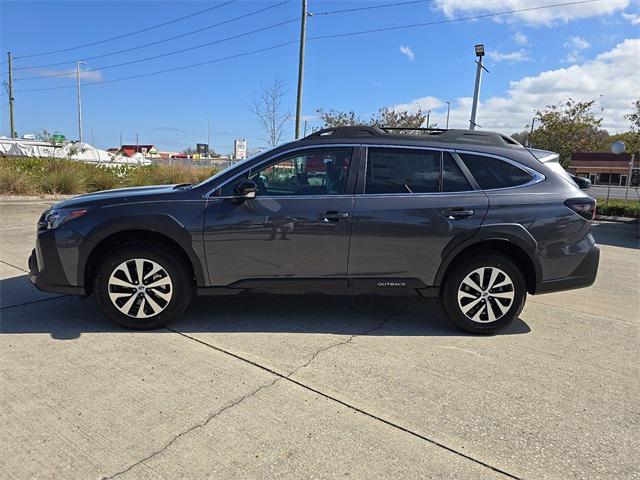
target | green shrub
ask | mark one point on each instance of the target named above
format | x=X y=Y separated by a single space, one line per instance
x=102 y=178
x=618 y=208
x=14 y=182
x=63 y=179
x=48 y=175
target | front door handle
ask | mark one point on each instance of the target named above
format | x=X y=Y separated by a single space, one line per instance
x=457 y=213
x=335 y=216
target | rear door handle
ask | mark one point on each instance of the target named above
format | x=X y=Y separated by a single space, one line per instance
x=335 y=216
x=457 y=213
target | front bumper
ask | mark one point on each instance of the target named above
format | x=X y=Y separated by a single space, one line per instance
x=583 y=276
x=53 y=264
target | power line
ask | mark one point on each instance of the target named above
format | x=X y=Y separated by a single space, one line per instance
x=161 y=55
x=158 y=42
x=320 y=37
x=450 y=20
x=118 y=37
x=174 y=69
x=371 y=7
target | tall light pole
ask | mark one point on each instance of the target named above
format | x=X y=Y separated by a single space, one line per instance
x=303 y=34
x=428 y=116
x=476 y=91
x=79 y=99
x=448 y=110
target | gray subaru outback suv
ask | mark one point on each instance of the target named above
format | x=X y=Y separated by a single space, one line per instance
x=470 y=217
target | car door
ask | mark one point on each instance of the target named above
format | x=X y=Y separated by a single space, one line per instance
x=410 y=204
x=297 y=227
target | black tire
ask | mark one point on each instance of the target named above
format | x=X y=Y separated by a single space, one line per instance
x=179 y=291
x=453 y=285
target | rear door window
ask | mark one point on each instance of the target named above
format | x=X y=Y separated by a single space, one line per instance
x=398 y=170
x=490 y=172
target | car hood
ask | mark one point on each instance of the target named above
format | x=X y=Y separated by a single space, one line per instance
x=118 y=195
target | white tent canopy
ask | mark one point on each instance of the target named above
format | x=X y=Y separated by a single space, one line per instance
x=82 y=152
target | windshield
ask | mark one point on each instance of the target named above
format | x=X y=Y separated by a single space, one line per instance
x=233 y=165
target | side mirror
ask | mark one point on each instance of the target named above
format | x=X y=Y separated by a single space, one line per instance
x=246 y=189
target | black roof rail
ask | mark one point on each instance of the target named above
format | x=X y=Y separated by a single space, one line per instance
x=418 y=129
x=438 y=134
x=348 y=132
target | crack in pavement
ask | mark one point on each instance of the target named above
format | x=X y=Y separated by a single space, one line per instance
x=278 y=378
x=40 y=300
x=192 y=428
x=366 y=332
x=14 y=266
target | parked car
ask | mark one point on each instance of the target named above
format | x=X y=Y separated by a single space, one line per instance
x=581 y=182
x=472 y=218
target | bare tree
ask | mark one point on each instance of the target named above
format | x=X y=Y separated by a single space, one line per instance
x=268 y=107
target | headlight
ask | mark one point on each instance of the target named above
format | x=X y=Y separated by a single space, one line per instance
x=54 y=218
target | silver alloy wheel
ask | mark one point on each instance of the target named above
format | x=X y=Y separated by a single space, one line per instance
x=486 y=294
x=140 y=288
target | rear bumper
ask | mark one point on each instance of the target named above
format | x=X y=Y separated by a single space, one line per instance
x=583 y=276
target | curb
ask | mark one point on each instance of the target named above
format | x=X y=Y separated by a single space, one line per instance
x=607 y=218
x=34 y=198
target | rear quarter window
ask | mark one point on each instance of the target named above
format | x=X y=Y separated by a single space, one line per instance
x=492 y=173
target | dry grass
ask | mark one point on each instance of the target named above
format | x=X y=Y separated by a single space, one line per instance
x=23 y=176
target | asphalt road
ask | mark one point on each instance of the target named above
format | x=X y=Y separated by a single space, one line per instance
x=600 y=191
x=320 y=387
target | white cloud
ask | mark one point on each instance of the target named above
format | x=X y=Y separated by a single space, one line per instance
x=406 y=51
x=513 y=57
x=422 y=103
x=612 y=74
x=520 y=38
x=91 y=75
x=575 y=44
x=453 y=8
x=633 y=18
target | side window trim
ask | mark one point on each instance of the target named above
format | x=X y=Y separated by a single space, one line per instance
x=360 y=189
x=465 y=171
x=536 y=177
x=214 y=192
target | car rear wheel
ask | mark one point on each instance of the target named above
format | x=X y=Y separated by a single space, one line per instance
x=484 y=293
x=143 y=286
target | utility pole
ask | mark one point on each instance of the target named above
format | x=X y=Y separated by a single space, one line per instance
x=208 y=137
x=428 y=116
x=303 y=34
x=120 y=140
x=448 y=109
x=533 y=122
x=79 y=99
x=12 y=132
x=476 y=91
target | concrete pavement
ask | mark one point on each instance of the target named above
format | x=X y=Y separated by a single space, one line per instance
x=258 y=386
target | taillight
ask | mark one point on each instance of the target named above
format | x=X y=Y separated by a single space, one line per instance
x=584 y=206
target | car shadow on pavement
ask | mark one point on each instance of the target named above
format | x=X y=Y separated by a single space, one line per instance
x=67 y=317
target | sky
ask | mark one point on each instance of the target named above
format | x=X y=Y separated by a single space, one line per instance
x=587 y=51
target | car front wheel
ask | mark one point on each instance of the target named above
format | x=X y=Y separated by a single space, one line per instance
x=484 y=293
x=142 y=286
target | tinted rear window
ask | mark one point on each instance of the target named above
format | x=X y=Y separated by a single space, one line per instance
x=396 y=170
x=490 y=172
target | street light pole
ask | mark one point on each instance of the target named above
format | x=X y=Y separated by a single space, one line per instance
x=448 y=109
x=428 y=115
x=303 y=34
x=476 y=91
x=79 y=99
